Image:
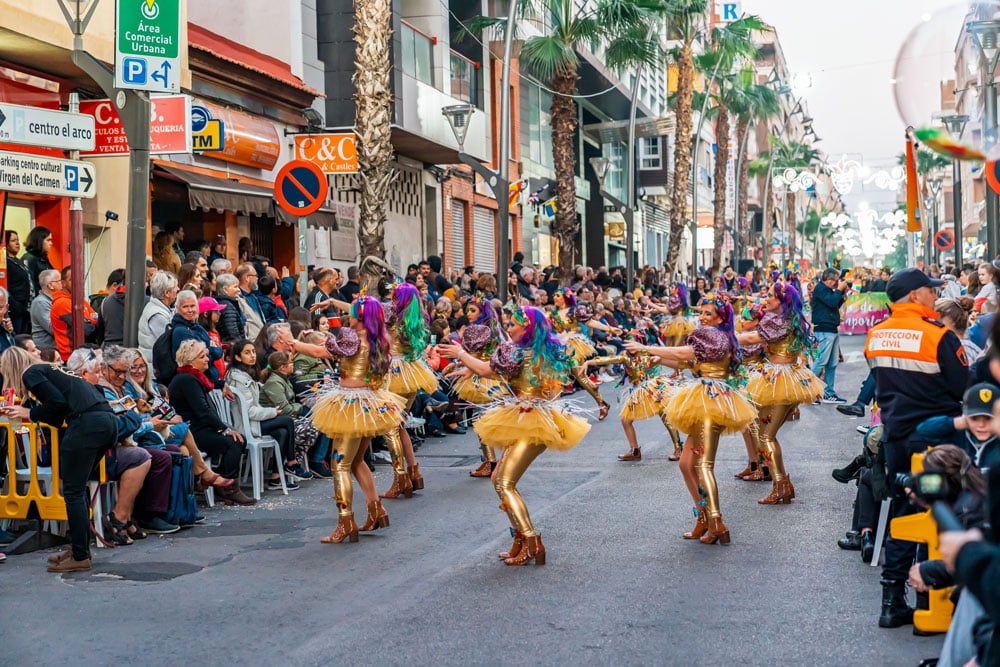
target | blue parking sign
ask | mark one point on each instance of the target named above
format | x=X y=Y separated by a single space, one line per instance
x=134 y=71
x=71 y=175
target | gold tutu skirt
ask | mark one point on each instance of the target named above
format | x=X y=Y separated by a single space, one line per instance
x=648 y=399
x=678 y=329
x=579 y=345
x=537 y=422
x=713 y=399
x=781 y=384
x=356 y=412
x=408 y=377
x=479 y=390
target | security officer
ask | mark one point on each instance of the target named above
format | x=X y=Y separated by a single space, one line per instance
x=920 y=371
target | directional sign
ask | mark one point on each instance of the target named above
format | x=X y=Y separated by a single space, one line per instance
x=300 y=188
x=21 y=172
x=34 y=126
x=147 y=53
x=333 y=153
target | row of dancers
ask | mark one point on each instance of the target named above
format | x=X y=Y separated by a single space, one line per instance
x=740 y=369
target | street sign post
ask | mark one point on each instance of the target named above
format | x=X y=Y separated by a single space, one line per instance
x=147 y=38
x=34 y=126
x=333 y=153
x=300 y=188
x=37 y=174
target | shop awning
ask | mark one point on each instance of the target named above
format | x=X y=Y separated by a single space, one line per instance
x=220 y=194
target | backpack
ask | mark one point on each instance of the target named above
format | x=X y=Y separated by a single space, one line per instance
x=183 y=509
x=164 y=361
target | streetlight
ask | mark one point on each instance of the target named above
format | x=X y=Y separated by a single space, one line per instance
x=955 y=124
x=984 y=34
x=600 y=166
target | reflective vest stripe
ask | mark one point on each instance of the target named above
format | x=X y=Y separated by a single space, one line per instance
x=900 y=364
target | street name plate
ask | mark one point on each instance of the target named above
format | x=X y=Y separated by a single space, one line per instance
x=147 y=38
x=37 y=174
x=33 y=126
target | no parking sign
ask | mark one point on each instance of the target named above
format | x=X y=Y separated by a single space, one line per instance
x=300 y=188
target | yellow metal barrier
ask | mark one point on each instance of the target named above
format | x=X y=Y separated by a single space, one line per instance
x=16 y=505
x=922 y=528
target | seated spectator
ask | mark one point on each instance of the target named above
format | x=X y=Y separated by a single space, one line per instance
x=186 y=326
x=320 y=323
x=154 y=499
x=267 y=291
x=41 y=308
x=310 y=370
x=277 y=392
x=189 y=278
x=221 y=266
x=112 y=308
x=208 y=317
x=26 y=343
x=158 y=311
x=232 y=324
x=164 y=419
x=242 y=380
x=954 y=314
x=189 y=396
x=61 y=317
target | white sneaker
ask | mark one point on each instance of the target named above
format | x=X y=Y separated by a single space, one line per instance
x=834 y=399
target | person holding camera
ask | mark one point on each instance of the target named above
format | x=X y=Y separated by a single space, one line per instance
x=920 y=372
x=827 y=298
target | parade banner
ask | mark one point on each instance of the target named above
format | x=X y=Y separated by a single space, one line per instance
x=864 y=310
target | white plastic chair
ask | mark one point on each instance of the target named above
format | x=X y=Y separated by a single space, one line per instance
x=256 y=446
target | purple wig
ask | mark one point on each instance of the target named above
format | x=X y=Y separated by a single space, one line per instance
x=727 y=326
x=488 y=317
x=368 y=311
x=568 y=295
x=683 y=295
x=791 y=307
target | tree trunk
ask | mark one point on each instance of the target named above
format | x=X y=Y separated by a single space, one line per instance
x=790 y=226
x=768 y=224
x=373 y=125
x=719 y=203
x=565 y=226
x=743 y=180
x=682 y=156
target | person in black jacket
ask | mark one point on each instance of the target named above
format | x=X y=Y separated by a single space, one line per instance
x=90 y=431
x=18 y=284
x=827 y=298
x=232 y=324
x=36 y=257
x=188 y=395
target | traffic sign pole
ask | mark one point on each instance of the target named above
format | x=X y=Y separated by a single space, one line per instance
x=300 y=188
x=303 y=260
x=77 y=289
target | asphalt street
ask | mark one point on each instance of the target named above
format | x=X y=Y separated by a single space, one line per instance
x=255 y=586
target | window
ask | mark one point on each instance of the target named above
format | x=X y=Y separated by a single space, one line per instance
x=650 y=153
x=417 y=54
x=536 y=124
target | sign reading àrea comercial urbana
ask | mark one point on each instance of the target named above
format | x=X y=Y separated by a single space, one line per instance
x=147 y=45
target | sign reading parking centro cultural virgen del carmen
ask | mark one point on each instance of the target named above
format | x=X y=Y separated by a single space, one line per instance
x=38 y=174
x=147 y=53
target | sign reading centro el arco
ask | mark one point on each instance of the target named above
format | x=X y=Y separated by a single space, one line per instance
x=147 y=45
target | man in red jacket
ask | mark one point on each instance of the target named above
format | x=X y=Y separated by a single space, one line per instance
x=61 y=316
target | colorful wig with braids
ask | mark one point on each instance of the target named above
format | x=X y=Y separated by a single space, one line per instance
x=568 y=295
x=412 y=322
x=368 y=311
x=488 y=316
x=728 y=326
x=791 y=307
x=550 y=365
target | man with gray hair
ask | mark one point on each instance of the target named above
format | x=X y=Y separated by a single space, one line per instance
x=221 y=266
x=157 y=312
x=49 y=282
x=525 y=289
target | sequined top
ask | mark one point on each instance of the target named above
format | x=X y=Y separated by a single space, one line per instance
x=570 y=322
x=477 y=340
x=712 y=351
x=639 y=367
x=778 y=335
x=353 y=353
x=674 y=304
x=514 y=364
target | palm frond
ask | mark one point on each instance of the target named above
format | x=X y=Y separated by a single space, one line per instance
x=548 y=55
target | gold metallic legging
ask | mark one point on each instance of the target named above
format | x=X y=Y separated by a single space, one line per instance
x=344 y=450
x=675 y=436
x=587 y=383
x=513 y=463
x=753 y=431
x=394 y=440
x=771 y=419
x=488 y=454
x=706 y=444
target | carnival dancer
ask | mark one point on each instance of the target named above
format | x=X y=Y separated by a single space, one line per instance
x=648 y=395
x=566 y=317
x=480 y=339
x=408 y=374
x=355 y=410
x=536 y=366
x=678 y=327
x=784 y=381
x=753 y=358
x=706 y=408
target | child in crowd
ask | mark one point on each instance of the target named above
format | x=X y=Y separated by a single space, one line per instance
x=277 y=392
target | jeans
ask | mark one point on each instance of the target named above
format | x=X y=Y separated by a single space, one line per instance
x=826 y=358
x=321 y=450
x=867 y=393
x=282 y=429
x=81 y=447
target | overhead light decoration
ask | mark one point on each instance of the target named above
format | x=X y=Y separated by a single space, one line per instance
x=846 y=173
x=795 y=181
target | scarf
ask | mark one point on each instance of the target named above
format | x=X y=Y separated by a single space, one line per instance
x=202 y=378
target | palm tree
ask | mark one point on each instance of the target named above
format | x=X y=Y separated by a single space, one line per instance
x=622 y=27
x=785 y=155
x=373 y=125
x=756 y=102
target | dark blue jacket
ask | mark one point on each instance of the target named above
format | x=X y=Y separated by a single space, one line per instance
x=826 y=305
x=184 y=330
x=272 y=313
x=941 y=430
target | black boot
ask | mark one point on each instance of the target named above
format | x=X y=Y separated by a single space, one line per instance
x=852 y=410
x=851 y=543
x=850 y=471
x=867 y=546
x=895 y=612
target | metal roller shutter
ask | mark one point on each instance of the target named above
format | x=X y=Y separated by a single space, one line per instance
x=457 y=233
x=484 y=239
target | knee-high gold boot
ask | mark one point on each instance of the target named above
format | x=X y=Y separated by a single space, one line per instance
x=343 y=455
x=772 y=418
x=591 y=388
x=515 y=462
x=675 y=438
x=401 y=483
x=717 y=530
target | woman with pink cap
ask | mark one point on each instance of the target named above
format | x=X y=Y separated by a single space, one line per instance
x=208 y=316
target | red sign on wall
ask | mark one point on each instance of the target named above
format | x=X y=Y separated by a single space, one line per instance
x=169 y=126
